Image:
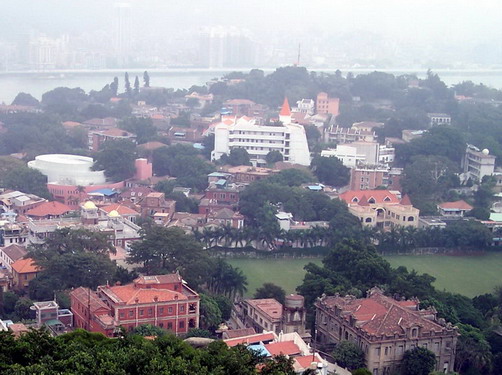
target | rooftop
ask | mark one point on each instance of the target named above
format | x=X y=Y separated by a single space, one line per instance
x=49 y=209
x=283 y=348
x=457 y=205
x=26 y=265
x=268 y=306
x=15 y=252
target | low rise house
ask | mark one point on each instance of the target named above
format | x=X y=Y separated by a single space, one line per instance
x=10 y=254
x=439 y=119
x=23 y=271
x=457 y=208
x=49 y=210
x=385 y=329
x=270 y=315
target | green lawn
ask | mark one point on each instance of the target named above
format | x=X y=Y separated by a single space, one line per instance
x=468 y=275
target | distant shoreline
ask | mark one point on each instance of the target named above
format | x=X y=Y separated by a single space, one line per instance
x=176 y=71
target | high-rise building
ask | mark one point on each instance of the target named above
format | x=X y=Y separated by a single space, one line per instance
x=122 y=32
x=221 y=47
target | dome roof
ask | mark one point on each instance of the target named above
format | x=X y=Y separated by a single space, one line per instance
x=89 y=205
x=486 y=151
x=114 y=213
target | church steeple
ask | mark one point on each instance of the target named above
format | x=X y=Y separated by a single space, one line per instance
x=285 y=114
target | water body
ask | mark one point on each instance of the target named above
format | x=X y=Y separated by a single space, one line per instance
x=36 y=83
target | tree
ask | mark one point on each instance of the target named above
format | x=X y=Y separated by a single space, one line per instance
x=117 y=159
x=273 y=157
x=114 y=86
x=143 y=128
x=210 y=313
x=25 y=99
x=69 y=259
x=473 y=351
x=330 y=171
x=148 y=330
x=237 y=156
x=347 y=354
x=27 y=180
x=127 y=84
x=146 y=79
x=64 y=101
x=136 y=86
x=361 y=371
x=270 y=290
x=162 y=250
x=418 y=361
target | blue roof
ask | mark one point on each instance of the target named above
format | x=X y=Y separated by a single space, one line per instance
x=314 y=187
x=221 y=182
x=260 y=349
x=198 y=146
x=216 y=174
x=106 y=192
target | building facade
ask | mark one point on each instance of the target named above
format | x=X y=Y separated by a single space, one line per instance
x=164 y=301
x=258 y=140
x=477 y=164
x=384 y=329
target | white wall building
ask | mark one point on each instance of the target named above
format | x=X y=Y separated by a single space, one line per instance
x=66 y=169
x=477 y=164
x=347 y=154
x=258 y=140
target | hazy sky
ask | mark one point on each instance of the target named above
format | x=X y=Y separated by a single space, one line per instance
x=433 y=20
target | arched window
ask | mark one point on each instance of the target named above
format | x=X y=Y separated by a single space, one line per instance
x=368 y=220
x=414 y=332
x=411 y=218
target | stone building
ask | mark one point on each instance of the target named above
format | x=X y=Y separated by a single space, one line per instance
x=384 y=329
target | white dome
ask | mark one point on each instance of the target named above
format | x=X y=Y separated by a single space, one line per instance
x=486 y=151
x=89 y=205
x=64 y=169
x=114 y=213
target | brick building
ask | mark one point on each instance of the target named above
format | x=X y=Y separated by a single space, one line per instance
x=164 y=301
x=384 y=329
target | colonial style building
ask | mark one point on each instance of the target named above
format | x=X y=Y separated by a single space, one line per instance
x=384 y=329
x=270 y=315
x=381 y=208
x=164 y=301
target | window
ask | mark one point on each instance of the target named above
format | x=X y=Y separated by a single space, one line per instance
x=121 y=315
x=182 y=324
x=161 y=310
x=141 y=312
x=131 y=313
x=386 y=350
x=170 y=309
x=150 y=311
x=182 y=308
x=414 y=332
x=377 y=351
x=169 y=325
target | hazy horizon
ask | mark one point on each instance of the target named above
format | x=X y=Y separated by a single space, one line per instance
x=154 y=33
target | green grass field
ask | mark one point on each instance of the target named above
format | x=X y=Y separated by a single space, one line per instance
x=467 y=275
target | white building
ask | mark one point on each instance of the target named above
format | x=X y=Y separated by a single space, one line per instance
x=348 y=155
x=66 y=169
x=477 y=164
x=386 y=155
x=306 y=106
x=439 y=119
x=258 y=140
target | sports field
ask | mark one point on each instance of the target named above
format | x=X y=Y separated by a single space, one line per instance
x=467 y=275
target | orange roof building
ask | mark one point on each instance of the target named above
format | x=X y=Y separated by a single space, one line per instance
x=49 y=210
x=381 y=208
x=164 y=301
x=457 y=208
x=385 y=328
x=23 y=271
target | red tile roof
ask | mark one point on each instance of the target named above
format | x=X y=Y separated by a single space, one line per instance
x=236 y=333
x=380 y=196
x=49 y=208
x=121 y=209
x=131 y=295
x=381 y=315
x=406 y=201
x=152 y=145
x=26 y=265
x=284 y=348
x=252 y=339
x=88 y=297
x=457 y=205
x=268 y=306
x=14 y=252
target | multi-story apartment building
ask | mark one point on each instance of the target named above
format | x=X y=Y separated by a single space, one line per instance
x=340 y=135
x=368 y=177
x=384 y=329
x=439 y=119
x=477 y=164
x=381 y=208
x=258 y=140
x=164 y=301
x=327 y=105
